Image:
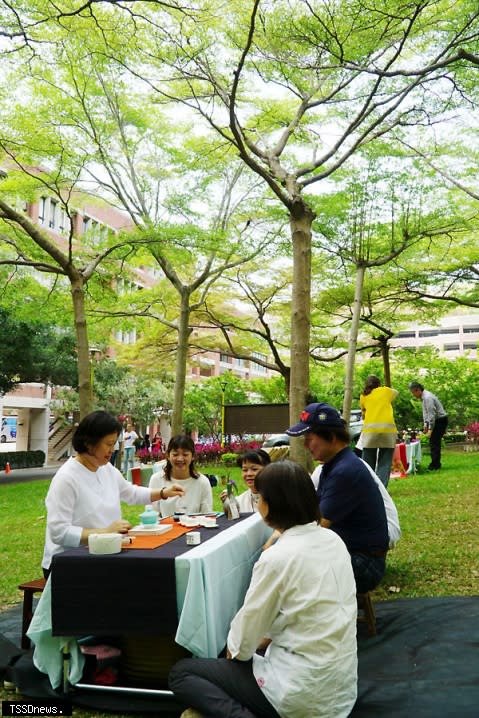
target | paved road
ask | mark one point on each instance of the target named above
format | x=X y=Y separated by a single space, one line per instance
x=18 y=475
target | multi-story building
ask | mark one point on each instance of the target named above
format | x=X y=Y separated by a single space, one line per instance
x=454 y=335
x=93 y=221
x=215 y=363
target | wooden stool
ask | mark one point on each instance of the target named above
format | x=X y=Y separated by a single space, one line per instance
x=29 y=588
x=365 y=605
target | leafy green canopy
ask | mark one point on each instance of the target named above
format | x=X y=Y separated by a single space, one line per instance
x=31 y=351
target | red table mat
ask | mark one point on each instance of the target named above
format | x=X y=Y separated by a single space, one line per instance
x=143 y=542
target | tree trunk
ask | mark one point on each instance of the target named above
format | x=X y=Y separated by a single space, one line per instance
x=84 y=367
x=384 y=343
x=181 y=362
x=353 y=340
x=301 y=219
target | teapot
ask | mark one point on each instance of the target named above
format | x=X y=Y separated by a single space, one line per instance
x=149 y=516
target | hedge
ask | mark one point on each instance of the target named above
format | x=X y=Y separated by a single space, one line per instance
x=22 y=459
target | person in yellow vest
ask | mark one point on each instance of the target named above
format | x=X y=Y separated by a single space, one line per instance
x=379 y=433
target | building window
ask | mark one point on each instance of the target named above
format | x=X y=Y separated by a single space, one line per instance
x=257 y=368
x=42 y=210
x=103 y=232
x=454 y=330
x=429 y=333
x=225 y=358
x=470 y=345
x=470 y=330
x=451 y=347
x=52 y=222
x=406 y=335
x=125 y=336
x=62 y=220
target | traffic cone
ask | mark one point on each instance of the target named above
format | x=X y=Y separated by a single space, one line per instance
x=7 y=468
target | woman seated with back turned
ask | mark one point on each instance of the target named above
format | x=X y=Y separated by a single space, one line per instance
x=86 y=492
x=300 y=609
x=179 y=470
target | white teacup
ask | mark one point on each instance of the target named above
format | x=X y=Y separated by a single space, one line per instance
x=209 y=522
x=189 y=521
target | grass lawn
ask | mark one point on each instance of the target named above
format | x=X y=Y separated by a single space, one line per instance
x=436 y=556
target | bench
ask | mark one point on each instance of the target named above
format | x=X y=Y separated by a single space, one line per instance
x=365 y=605
x=29 y=588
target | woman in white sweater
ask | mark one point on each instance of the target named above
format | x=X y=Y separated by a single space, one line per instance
x=179 y=471
x=85 y=494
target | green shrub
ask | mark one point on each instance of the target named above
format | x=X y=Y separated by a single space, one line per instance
x=22 y=459
x=229 y=459
x=454 y=437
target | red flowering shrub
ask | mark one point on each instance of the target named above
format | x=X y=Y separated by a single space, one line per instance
x=473 y=431
x=211 y=452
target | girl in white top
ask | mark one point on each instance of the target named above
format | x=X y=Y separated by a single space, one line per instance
x=300 y=610
x=180 y=472
x=85 y=494
x=251 y=463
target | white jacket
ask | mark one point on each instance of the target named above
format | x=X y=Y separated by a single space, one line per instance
x=303 y=596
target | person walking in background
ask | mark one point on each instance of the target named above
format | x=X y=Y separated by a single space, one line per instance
x=116 y=450
x=379 y=433
x=434 y=420
x=129 y=438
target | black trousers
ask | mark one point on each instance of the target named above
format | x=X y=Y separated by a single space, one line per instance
x=368 y=571
x=219 y=688
x=440 y=426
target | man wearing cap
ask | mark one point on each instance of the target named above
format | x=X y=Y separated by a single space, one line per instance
x=349 y=499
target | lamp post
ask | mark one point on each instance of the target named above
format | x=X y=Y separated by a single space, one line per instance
x=223 y=385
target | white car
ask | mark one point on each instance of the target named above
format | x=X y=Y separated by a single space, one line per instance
x=355 y=428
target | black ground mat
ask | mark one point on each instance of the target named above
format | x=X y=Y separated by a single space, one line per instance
x=424 y=663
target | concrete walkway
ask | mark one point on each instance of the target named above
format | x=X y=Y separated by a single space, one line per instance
x=18 y=475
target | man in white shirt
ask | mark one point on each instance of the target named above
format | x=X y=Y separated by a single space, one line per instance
x=129 y=438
